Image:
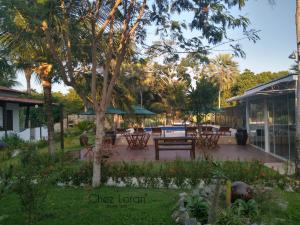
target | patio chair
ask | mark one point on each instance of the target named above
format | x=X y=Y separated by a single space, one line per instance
x=139 y=130
x=156 y=131
x=191 y=131
x=145 y=139
x=137 y=140
x=201 y=141
x=213 y=143
x=224 y=131
x=206 y=129
x=121 y=131
x=129 y=140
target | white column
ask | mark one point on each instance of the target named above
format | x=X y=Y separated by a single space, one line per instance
x=266 y=126
x=247 y=116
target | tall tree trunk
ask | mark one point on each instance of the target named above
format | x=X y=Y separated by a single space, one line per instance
x=49 y=114
x=28 y=73
x=219 y=99
x=298 y=88
x=100 y=120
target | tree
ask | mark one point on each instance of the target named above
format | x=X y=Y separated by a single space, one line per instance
x=298 y=87
x=95 y=36
x=24 y=50
x=7 y=74
x=249 y=79
x=202 y=98
x=45 y=74
x=222 y=70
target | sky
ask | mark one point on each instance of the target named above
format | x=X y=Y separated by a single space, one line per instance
x=270 y=53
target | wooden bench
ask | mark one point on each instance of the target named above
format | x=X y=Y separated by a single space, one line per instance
x=175 y=144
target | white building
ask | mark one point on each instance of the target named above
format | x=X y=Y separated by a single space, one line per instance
x=11 y=103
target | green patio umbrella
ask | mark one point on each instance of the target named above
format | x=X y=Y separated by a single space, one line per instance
x=110 y=110
x=89 y=112
x=141 y=111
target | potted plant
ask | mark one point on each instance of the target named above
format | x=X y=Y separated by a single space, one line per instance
x=112 y=135
x=241 y=136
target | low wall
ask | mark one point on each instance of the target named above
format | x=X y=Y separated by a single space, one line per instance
x=30 y=134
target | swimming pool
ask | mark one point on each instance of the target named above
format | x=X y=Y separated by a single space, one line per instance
x=168 y=128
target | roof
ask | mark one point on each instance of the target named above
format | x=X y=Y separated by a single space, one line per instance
x=6 y=89
x=259 y=89
x=25 y=101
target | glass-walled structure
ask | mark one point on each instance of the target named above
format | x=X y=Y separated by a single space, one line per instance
x=270 y=116
x=234 y=117
x=256 y=124
x=282 y=126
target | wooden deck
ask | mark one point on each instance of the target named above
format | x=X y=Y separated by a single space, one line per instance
x=223 y=152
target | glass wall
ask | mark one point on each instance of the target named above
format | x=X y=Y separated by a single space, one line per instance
x=272 y=113
x=256 y=123
x=234 y=117
x=282 y=126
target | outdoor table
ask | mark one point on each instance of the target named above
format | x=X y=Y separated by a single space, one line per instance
x=137 y=140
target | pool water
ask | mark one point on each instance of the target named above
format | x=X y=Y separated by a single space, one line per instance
x=168 y=128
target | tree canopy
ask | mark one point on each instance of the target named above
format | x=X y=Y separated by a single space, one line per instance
x=202 y=98
x=7 y=74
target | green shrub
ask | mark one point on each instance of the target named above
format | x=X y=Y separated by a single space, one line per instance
x=30 y=187
x=85 y=125
x=178 y=171
x=198 y=208
x=248 y=209
x=76 y=176
x=228 y=217
x=6 y=180
x=183 y=174
x=13 y=141
x=41 y=143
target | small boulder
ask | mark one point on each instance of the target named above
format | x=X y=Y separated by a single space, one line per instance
x=240 y=190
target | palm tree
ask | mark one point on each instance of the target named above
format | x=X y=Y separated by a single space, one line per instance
x=28 y=53
x=44 y=72
x=223 y=71
x=7 y=74
x=28 y=73
x=298 y=87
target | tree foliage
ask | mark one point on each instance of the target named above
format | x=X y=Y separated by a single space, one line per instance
x=202 y=98
x=7 y=74
x=249 y=79
x=96 y=37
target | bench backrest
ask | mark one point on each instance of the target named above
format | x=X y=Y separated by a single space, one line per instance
x=175 y=143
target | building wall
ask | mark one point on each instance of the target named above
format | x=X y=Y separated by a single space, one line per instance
x=16 y=117
x=1 y=117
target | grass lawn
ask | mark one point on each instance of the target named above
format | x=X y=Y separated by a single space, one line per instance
x=115 y=206
x=292 y=215
x=107 y=206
